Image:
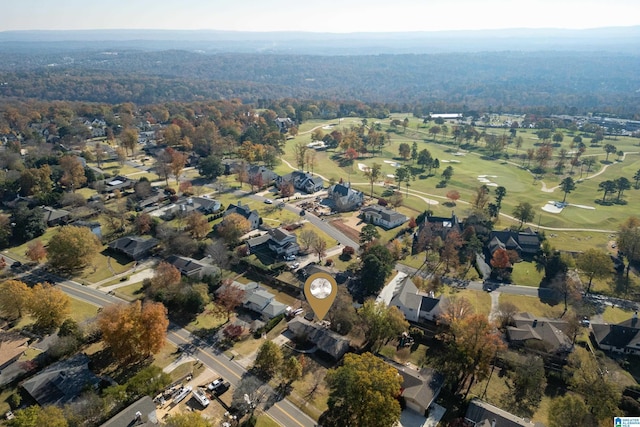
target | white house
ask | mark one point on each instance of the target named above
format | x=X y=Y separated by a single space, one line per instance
x=384 y=217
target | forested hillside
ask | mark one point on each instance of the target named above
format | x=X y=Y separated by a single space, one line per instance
x=545 y=82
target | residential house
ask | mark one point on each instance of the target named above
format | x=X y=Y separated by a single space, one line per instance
x=134 y=247
x=193 y=268
x=244 y=210
x=327 y=341
x=442 y=226
x=483 y=414
x=61 y=382
x=261 y=176
x=54 y=216
x=415 y=305
x=232 y=166
x=95 y=227
x=303 y=181
x=345 y=198
x=187 y=205
x=12 y=346
x=283 y=123
x=420 y=387
x=141 y=413
x=540 y=333
x=623 y=337
x=383 y=217
x=526 y=243
x=258 y=299
x=279 y=241
x=120 y=183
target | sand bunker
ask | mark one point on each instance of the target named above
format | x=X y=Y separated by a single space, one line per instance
x=392 y=163
x=363 y=167
x=553 y=207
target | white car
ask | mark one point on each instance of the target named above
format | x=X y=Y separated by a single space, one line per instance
x=294 y=265
x=268 y=201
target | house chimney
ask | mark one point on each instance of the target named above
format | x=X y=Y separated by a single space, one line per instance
x=138 y=416
x=634 y=319
x=493 y=422
x=535 y=322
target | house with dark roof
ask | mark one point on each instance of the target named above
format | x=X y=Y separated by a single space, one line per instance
x=134 y=247
x=53 y=216
x=623 y=337
x=279 y=241
x=327 y=341
x=245 y=211
x=540 y=333
x=188 y=205
x=283 y=123
x=420 y=387
x=383 y=217
x=12 y=346
x=193 y=268
x=262 y=175
x=119 y=182
x=62 y=382
x=141 y=413
x=303 y=181
x=441 y=226
x=483 y=414
x=345 y=198
x=526 y=243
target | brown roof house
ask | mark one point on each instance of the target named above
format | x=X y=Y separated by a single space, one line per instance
x=327 y=341
x=483 y=414
x=623 y=337
x=540 y=333
x=420 y=387
x=384 y=217
x=12 y=346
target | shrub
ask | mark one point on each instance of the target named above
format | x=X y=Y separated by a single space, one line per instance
x=382 y=202
x=328 y=262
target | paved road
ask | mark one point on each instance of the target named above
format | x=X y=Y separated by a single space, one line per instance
x=283 y=412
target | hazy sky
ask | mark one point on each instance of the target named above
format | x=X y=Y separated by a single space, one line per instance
x=316 y=15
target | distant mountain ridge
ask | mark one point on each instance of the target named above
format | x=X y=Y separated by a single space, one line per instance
x=620 y=39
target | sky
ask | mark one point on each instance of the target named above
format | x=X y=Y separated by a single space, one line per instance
x=334 y=16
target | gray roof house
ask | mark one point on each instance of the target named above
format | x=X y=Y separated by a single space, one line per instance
x=134 y=247
x=266 y=175
x=483 y=414
x=415 y=305
x=279 y=241
x=623 y=337
x=384 y=217
x=244 y=210
x=54 y=216
x=61 y=382
x=526 y=243
x=303 y=181
x=420 y=387
x=326 y=340
x=258 y=299
x=345 y=198
x=141 y=413
x=540 y=333
x=193 y=268
x=191 y=204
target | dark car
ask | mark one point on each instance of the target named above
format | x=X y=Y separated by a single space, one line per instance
x=16 y=264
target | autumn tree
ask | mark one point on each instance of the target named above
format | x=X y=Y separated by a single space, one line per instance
x=129 y=139
x=14 y=298
x=628 y=240
x=319 y=247
x=453 y=195
x=595 y=264
x=373 y=174
x=232 y=227
x=381 y=323
x=73 y=176
x=73 y=248
x=165 y=283
x=523 y=212
x=362 y=393
x=229 y=298
x=472 y=342
x=177 y=163
x=197 y=225
x=404 y=150
x=299 y=151
x=268 y=359
x=567 y=185
x=143 y=223
x=135 y=331
x=500 y=261
x=291 y=370
x=49 y=306
x=36 y=251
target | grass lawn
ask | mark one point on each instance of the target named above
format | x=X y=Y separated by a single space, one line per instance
x=480 y=300
x=186 y=368
x=81 y=311
x=265 y=420
x=210 y=318
x=130 y=292
x=17 y=252
x=104 y=266
x=525 y=274
x=533 y=305
x=166 y=355
x=616 y=315
x=250 y=345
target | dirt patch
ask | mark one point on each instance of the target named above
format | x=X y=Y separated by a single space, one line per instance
x=347 y=229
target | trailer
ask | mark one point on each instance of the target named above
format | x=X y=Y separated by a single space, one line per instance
x=182 y=394
x=201 y=397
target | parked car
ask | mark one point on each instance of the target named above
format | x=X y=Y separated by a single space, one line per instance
x=218 y=387
x=290 y=258
x=268 y=201
x=294 y=265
